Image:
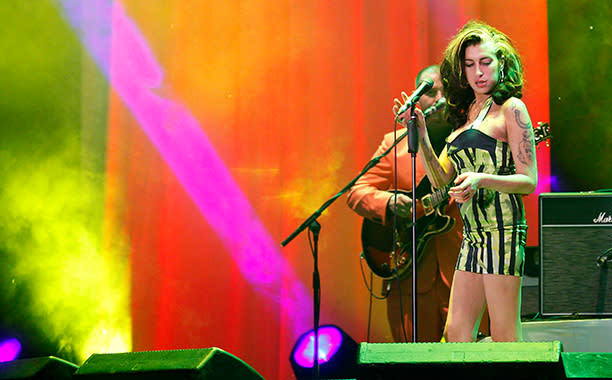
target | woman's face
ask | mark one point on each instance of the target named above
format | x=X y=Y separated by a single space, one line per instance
x=481 y=67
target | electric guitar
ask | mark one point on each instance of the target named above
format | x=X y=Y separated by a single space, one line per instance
x=377 y=240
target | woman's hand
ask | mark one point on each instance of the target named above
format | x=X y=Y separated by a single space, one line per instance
x=466 y=185
x=404 y=117
x=397 y=105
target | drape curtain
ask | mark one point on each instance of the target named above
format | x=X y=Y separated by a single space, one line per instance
x=290 y=99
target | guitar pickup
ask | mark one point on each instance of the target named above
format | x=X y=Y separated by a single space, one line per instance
x=428 y=206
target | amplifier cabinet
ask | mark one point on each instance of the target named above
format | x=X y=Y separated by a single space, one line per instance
x=575 y=230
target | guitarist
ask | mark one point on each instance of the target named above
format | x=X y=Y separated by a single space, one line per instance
x=371 y=197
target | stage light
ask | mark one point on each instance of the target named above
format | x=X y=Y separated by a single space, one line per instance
x=9 y=349
x=337 y=354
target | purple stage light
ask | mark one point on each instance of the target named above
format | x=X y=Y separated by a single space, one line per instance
x=9 y=349
x=337 y=354
x=330 y=340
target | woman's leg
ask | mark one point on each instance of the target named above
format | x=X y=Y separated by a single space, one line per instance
x=467 y=303
x=503 y=295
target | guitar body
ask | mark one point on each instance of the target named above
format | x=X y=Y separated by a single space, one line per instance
x=377 y=242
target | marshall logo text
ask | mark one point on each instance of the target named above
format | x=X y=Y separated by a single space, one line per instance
x=603 y=218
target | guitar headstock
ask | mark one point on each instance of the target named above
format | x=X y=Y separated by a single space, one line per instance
x=542 y=133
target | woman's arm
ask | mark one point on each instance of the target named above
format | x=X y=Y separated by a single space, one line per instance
x=440 y=170
x=522 y=145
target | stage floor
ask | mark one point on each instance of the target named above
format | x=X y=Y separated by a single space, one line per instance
x=581 y=335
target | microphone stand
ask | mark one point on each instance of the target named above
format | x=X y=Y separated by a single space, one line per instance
x=413 y=148
x=312 y=224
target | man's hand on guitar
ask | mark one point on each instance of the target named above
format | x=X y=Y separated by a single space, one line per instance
x=403 y=207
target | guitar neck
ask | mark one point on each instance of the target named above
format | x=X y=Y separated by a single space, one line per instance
x=440 y=195
x=431 y=201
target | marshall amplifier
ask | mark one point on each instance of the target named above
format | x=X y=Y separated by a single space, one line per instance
x=575 y=253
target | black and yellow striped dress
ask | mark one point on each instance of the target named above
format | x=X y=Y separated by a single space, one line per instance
x=494 y=225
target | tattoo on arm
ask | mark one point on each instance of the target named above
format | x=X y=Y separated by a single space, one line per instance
x=526 y=151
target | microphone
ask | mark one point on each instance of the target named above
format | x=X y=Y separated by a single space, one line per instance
x=437 y=106
x=425 y=85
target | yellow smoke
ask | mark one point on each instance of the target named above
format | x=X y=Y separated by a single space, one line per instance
x=77 y=294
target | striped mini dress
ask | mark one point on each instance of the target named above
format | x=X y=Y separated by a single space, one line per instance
x=494 y=225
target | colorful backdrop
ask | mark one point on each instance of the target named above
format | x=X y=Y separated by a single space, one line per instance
x=155 y=154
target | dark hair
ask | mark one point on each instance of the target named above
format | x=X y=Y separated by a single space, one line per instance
x=459 y=95
x=428 y=69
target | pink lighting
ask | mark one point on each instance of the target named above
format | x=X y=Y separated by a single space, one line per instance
x=123 y=55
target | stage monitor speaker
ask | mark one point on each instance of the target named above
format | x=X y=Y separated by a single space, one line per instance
x=587 y=365
x=202 y=364
x=497 y=360
x=575 y=231
x=42 y=368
